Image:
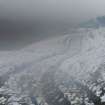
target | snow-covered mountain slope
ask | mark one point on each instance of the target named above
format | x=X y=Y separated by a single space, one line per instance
x=76 y=54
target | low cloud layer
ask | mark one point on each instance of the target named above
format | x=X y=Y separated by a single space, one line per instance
x=45 y=17
x=72 y=10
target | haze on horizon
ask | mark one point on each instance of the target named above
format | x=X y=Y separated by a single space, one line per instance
x=33 y=20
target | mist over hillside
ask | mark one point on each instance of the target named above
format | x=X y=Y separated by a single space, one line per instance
x=19 y=33
x=52 y=52
x=39 y=69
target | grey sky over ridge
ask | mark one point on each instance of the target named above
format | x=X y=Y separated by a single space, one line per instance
x=39 y=15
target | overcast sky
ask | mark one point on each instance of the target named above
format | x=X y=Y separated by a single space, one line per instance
x=75 y=10
x=72 y=11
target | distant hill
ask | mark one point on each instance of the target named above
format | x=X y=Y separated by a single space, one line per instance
x=94 y=23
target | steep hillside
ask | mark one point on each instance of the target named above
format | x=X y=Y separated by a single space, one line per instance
x=78 y=54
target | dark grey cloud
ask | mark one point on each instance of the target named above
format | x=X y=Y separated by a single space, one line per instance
x=25 y=21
